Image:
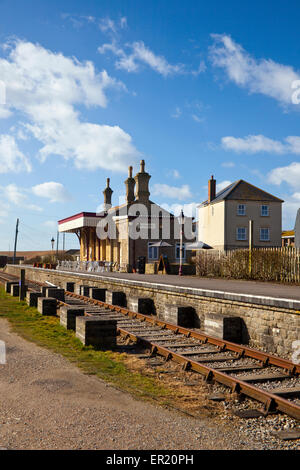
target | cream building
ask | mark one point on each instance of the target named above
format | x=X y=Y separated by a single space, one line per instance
x=136 y=225
x=224 y=218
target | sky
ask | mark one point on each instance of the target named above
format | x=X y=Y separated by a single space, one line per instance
x=195 y=89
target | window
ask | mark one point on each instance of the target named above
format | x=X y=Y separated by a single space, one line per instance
x=241 y=209
x=241 y=233
x=264 y=211
x=152 y=251
x=264 y=234
x=177 y=251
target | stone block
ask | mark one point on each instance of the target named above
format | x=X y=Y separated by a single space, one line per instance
x=97 y=293
x=15 y=290
x=68 y=316
x=46 y=305
x=84 y=290
x=55 y=293
x=96 y=332
x=116 y=298
x=144 y=305
x=223 y=326
x=32 y=298
x=9 y=284
x=180 y=315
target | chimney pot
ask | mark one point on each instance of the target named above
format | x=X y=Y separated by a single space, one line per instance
x=211 y=189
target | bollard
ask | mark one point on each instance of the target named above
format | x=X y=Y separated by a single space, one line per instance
x=68 y=317
x=97 y=332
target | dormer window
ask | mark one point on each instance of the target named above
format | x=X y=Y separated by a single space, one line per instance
x=241 y=209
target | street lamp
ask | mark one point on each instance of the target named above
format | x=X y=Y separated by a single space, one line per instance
x=52 y=243
x=181 y=221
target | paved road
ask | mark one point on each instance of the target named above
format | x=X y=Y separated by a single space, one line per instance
x=267 y=289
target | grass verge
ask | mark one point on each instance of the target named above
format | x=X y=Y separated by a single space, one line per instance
x=109 y=366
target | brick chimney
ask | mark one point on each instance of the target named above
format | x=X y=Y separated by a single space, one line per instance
x=142 y=184
x=130 y=184
x=107 y=195
x=211 y=189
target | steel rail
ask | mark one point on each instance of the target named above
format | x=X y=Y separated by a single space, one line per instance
x=270 y=401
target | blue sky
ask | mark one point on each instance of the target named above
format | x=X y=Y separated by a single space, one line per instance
x=87 y=88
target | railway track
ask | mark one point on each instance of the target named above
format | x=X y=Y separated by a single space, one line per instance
x=268 y=379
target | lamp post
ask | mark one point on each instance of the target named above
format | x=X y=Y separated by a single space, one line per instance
x=52 y=244
x=181 y=221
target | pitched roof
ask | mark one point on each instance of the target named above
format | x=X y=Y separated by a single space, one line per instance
x=241 y=190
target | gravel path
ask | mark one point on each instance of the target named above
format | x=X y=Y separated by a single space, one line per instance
x=47 y=403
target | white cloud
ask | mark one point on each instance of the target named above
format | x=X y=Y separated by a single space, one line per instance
x=18 y=197
x=289 y=174
x=46 y=87
x=174 y=174
x=177 y=113
x=50 y=224
x=260 y=143
x=228 y=164
x=222 y=185
x=140 y=54
x=189 y=210
x=172 y=192
x=11 y=157
x=258 y=76
x=197 y=118
x=51 y=190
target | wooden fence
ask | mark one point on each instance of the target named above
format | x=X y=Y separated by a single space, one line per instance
x=265 y=264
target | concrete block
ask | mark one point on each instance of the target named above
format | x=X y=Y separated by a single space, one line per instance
x=180 y=315
x=97 y=293
x=55 y=293
x=15 y=290
x=225 y=327
x=8 y=285
x=70 y=286
x=144 y=305
x=32 y=298
x=84 y=290
x=96 y=332
x=68 y=316
x=46 y=305
x=116 y=298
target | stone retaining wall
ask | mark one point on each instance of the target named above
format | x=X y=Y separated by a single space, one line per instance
x=272 y=326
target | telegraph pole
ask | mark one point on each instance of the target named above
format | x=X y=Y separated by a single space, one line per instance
x=16 y=238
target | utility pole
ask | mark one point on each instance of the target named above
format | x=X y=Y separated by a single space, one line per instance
x=16 y=238
x=57 y=240
x=250 y=246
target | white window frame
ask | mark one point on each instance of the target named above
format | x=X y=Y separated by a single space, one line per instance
x=152 y=252
x=261 y=238
x=262 y=211
x=177 y=250
x=237 y=233
x=240 y=211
